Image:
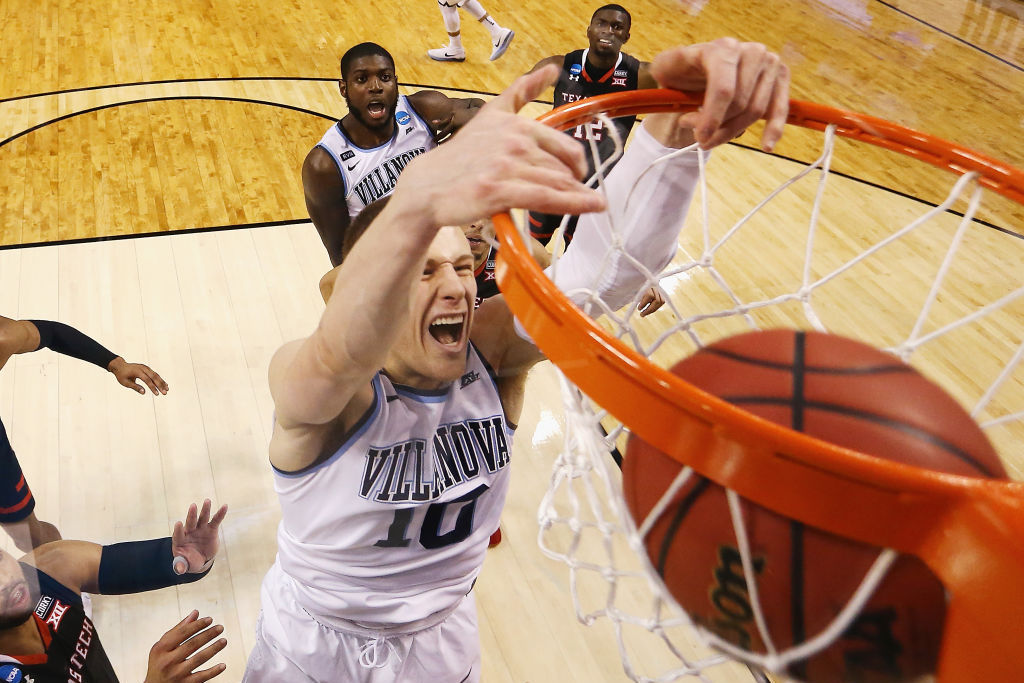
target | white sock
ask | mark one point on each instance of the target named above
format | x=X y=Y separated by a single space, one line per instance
x=452 y=25
x=486 y=20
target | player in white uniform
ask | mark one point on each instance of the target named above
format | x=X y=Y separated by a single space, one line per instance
x=393 y=419
x=454 y=50
x=360 y=157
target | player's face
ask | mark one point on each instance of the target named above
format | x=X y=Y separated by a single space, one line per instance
x=608 y=31
x=371 y=91
x=478 y=233
x=431 y=351
x=15 y=594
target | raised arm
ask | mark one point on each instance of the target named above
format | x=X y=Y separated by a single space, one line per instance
x=136 y=566
x=499 y=160
x=742 y=82
x=324 y=190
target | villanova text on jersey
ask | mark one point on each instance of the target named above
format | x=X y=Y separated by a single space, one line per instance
x=381 y=180
x=411 y=472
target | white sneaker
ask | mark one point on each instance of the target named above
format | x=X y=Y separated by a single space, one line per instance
x=87 y=605
x=447 y=54
x=502 y=43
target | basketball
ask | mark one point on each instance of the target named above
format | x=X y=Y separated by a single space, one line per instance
x=852 y=395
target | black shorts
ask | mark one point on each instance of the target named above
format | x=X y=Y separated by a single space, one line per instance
x=16 y=501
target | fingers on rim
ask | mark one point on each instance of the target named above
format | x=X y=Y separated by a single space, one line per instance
x=778 y=109
x=718 y=97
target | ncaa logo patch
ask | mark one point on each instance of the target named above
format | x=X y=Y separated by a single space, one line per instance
x=10 y=674
x=576 y=69
x=402 y=117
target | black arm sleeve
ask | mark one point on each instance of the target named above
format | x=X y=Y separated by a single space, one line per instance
x=69 y=341
x=139 y=566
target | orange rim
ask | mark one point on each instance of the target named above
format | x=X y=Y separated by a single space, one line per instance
x=967 y=530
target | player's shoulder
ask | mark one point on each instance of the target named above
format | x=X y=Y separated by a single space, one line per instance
x=320 y=167
x=58 y=560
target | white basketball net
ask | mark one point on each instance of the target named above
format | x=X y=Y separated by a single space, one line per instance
x=940 y=290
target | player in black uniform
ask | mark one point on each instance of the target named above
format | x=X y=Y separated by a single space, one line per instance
x=17 y=506
x=480 y=235
x=45 y=636
x=602 y=68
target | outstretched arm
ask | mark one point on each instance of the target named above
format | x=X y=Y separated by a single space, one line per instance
x=499 y=160
x=742 y=83
x=25 y=336
x=136 y=566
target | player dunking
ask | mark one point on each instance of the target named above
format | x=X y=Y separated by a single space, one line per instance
x=17 y=505
x=394 y=420
x=602 y=68
x=46 y=637
x=358 y=160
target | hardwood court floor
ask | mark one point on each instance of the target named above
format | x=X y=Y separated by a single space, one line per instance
x=123 y=119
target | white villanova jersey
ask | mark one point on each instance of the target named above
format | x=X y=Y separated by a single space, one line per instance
x=394 y=525
x=370 y=174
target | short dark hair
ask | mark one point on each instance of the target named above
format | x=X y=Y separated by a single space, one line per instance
x=360 y=223
x=363 y=50
x=617 y=8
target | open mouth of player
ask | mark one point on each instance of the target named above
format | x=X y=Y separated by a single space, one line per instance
x=447 y=330
x=376 y=110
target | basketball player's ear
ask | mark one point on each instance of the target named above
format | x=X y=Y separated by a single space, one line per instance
x=342 y=87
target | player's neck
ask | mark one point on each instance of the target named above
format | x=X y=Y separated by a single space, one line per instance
x=23 y=639
x=601 y=62
x=364 y=136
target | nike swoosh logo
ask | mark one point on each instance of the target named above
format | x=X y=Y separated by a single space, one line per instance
x=352 y=166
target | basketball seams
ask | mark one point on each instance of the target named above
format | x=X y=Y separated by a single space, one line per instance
x=682 y=508
x=810 y=368
x=883 y=420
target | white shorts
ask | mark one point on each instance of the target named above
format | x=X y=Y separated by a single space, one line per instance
x=291 y=645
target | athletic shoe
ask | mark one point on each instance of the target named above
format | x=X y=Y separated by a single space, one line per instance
x=447 y=54
x=501 y=44
x=87 y=604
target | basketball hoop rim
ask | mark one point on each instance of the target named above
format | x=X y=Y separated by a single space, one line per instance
x=514 y=256
x=966 y=529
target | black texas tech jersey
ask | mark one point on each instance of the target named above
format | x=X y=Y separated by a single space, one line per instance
x=577 y=81
x=73 y=650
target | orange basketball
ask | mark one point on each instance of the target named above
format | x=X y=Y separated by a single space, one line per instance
x=850 y=394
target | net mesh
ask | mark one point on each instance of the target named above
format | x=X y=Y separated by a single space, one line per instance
x=817 y=250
